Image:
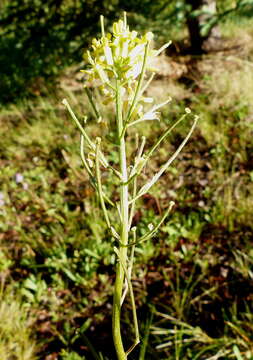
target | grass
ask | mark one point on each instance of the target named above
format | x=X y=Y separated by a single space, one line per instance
x=16 y=340
x=193 y=282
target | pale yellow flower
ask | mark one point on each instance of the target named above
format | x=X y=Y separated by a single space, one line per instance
x=119 y=55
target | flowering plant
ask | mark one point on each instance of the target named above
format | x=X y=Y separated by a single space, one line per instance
x=118 y=65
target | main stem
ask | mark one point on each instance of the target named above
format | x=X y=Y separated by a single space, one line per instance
x=119 y=281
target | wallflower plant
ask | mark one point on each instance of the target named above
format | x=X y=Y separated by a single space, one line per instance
x=121 y=69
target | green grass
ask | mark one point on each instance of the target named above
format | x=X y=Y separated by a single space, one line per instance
x=193 y=281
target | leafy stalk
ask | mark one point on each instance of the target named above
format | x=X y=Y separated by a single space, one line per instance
x=106 y=67
x=120 y=274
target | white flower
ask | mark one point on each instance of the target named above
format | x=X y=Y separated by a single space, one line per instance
x=137 y=50
x=101 y=73
x=150 y=115
x=147 y=100
x=150 y=226
x=124 y=52
x=134 y=71
x=108 y=55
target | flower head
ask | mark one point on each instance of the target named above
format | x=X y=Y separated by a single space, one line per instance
x=119 y=56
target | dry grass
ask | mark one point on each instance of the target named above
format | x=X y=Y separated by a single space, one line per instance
x=15 y=330
x=230 y=80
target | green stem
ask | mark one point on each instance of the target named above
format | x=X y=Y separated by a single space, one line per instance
x=138 y=88
x=120 y=276
x=93 y=105
x=99 y=184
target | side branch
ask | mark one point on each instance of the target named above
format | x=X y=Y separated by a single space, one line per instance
x=99 y=183
x=147 y=186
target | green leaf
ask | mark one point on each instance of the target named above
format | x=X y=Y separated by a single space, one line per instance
x=237 y=353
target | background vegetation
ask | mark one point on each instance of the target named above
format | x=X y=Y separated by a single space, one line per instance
x=194 y=281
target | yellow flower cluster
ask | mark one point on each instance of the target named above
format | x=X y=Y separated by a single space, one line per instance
x=118 y=55
x=123 y=56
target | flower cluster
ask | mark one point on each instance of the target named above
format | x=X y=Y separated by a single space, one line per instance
x=117 y=64
x=121 y=55
x=118 y=55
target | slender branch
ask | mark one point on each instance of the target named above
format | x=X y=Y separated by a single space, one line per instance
x=137 y=160
x=102 y=25
x=83 y=132
x=147 y=186
x=99 y=184
x=140 y=120
x=131 y=215
x=87 y=168
x=130 y=267
x=153 y=231
x=87 y=138
x=86 y=165
x=93 y=105
x=154 y=147
x=138 y=87
x=125 y=19
x=140 y=151
x=147 y=83
x=114 y=233
x=163 y=136
x=116 y=172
